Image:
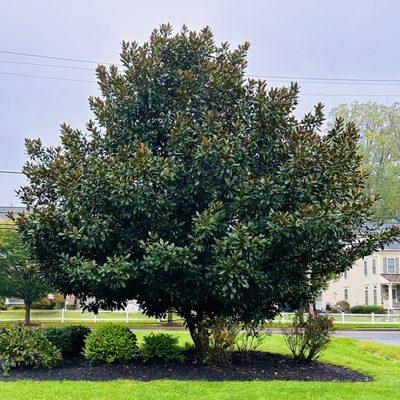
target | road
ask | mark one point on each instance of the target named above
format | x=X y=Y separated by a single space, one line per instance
x=384 y=336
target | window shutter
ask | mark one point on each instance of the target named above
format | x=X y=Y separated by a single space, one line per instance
x=384 y=265
x=397 y=264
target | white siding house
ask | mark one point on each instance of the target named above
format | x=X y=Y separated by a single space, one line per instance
x=373 y=280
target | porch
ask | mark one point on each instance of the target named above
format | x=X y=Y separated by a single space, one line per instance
x=390 y=292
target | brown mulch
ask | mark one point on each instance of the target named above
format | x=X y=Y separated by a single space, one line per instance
x=259 y=366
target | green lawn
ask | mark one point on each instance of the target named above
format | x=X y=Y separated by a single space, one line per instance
x=378 y=360
x=138 y=320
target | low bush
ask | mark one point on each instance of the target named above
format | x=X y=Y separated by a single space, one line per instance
x=251 y=338
x=43 y=304
x=3 y=306
x=343 y=306
x=110 y=343
x=21 y=346
x=367 y=310
x=162 y=347
x=306 y=340
x=16 y=307
x=58 y=300
x=223 y=335
x=68 y=339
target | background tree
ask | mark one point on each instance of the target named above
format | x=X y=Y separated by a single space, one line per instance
x=196 y=190
x=19 y=276
x=379 y=128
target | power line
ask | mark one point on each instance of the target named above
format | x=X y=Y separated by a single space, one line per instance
x=324 y=79
x=278 y=78
x=47 y=77
x=11 y=172
x=301 y=94
x=318 y=82
x=46 y=65
x=273 y=79
x=312 y=78
x=351 y=95
x=56 y=58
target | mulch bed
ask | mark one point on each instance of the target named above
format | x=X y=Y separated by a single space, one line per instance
x=260 y=366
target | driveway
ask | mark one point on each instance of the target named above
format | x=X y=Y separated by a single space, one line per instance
x=384 y=336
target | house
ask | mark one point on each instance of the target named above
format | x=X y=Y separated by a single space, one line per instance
x=13 y=301
x=373 y=280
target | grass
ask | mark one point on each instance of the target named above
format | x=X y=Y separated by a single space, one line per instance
x=138 y=320
x=380 y=361
x=53 y=318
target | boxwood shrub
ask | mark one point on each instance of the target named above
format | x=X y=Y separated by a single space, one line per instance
x=161 y=346
x=68 y=339
x=367 y=310
x=110 y=343
x=21 y=346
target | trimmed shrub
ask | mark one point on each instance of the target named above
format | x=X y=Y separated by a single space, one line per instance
x=69 y=340
x=16 y=307
x=43 y=304
x=21 y=346
x=367 y=309
x=110 y=343
x=343 y=306
x=306 y=340
x=161 y=346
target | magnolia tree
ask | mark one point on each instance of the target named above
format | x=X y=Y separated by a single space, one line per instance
x=196 y=189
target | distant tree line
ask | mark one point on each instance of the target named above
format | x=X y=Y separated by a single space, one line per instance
x=379 y=146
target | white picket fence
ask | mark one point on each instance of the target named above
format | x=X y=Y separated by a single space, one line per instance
x=137 y=317
x=77 y=316
x=347 y=318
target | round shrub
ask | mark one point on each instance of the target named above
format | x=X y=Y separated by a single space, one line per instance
x=162 y=347
x=367 y=309
x=110 y=343
x=21 y=346
x=43 y=304
x=68 y=339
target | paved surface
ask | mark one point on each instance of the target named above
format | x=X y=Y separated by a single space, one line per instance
x=384 y=336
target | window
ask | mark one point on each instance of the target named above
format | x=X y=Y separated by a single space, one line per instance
x=374 y=266
x=365 y=268
x=391 y=267
x=366 y=295
x=345 y=274
x=346 y=294
x=375 y=296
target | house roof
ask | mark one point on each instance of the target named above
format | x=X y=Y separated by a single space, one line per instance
x=391 y=277
x=396 y=244
x=391 y=246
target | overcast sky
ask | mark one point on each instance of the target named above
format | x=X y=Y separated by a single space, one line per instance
x=303 y=38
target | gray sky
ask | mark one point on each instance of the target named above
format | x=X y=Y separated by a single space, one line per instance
x=304 y=38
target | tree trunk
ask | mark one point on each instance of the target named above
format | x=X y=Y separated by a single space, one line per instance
x=170 y=318
x=300 y=315
x=28 y=305
x=201 y=339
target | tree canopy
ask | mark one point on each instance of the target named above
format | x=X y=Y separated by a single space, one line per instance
x=379 y=128
x=196 y=189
